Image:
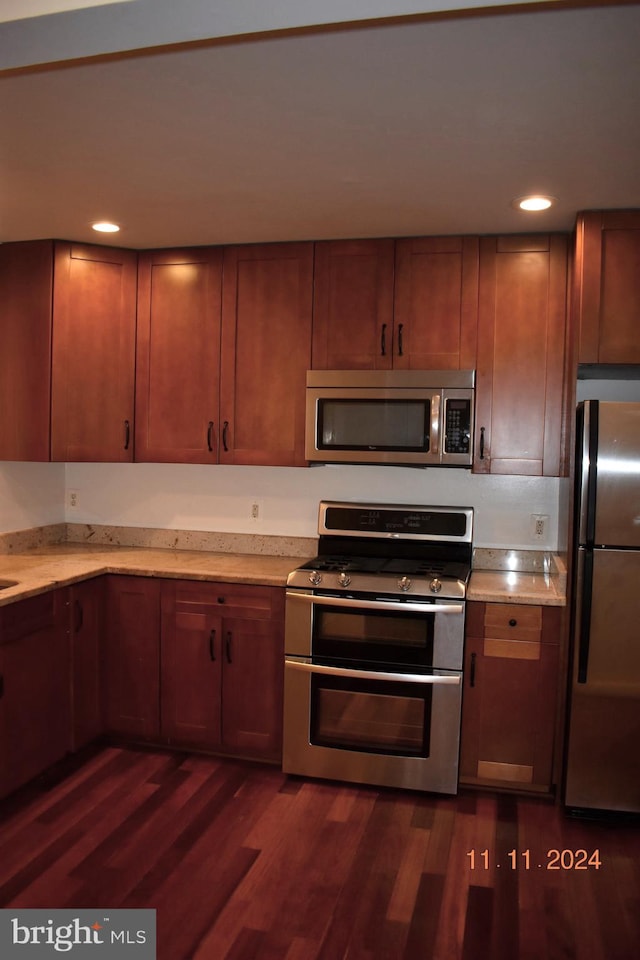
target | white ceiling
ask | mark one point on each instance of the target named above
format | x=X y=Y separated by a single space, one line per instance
x=387 y=130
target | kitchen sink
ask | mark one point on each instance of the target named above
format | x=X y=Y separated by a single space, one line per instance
x=8 y=583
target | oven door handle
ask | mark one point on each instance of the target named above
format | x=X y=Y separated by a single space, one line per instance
x=370 y=674
x=365 y=605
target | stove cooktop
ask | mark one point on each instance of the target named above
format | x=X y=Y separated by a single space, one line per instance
x=383 y=565
x=397 y=550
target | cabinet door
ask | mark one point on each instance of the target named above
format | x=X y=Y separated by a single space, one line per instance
x=35 y=720
x=266 y=352
x=222 y=667
x=94 y=317
x=353 y=305
x=436 y=303
x=607 y=286
x=26 y=277
x=132 y=674
x=510 y=696
x=521 y=343
x=178 y=355
x=252 y=687
x=86 y=624
x=191 y=656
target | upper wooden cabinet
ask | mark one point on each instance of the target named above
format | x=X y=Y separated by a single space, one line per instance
x=353 y=305
x=521 y=347
x=26 y=281
x=436 y=303
x=267 y=294
x=606 y=293
x=408 y=303
x=94 y=328
x=178 y=355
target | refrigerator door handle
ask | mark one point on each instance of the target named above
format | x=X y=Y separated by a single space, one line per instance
x=589 y=472
x=584 y=587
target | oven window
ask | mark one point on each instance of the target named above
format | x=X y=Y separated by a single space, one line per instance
x=375 y=637
x=371 y=715
x=374 y=425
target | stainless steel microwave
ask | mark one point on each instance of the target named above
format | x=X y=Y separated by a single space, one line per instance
x=405 y=417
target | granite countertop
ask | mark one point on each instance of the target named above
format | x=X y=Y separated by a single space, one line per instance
x=540 y=579
x=518 y=576
x=45 y=568
x=502 y=586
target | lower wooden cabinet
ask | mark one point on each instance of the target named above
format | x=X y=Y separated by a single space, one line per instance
x=86 y=617
x=510 y=695
x=35 y=700
x=183 y=663
x=222 y=667
x=195 y=664
x=132 y=657
x=200 y=665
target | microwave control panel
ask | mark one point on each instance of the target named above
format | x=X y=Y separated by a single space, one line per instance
x=457 y=426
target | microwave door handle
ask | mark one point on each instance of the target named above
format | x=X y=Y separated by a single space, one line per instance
x=371 y=674
x=435 y=424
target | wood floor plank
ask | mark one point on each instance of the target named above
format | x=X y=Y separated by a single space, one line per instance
x=74 y=835
x=505 y=935
x=484 y=838
x=405 y=889
x=423 y=929
x=242 y=862
x=31 y=824
x=455 y=892
x=479 y=922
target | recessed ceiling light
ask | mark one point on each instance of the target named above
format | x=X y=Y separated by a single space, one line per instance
x=103 y=226
x=533 y=203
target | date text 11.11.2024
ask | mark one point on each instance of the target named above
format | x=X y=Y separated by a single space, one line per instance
x=524 y=860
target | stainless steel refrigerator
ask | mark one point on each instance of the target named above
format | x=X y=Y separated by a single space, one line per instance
x=603 y=748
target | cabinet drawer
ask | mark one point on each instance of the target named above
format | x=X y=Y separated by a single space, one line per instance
x=28 y=616
x=234 y=599
x=513 y=621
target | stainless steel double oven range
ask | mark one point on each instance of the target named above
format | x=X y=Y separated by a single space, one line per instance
x=374 y=638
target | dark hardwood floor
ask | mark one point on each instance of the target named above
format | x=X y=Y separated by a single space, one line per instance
x=242 y=862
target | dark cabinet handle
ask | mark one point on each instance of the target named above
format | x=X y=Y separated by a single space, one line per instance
x=1 y=686
x=127 y=434
x=472 y=672
x=79 y=617
x=210 y=436
x=513 y=622
x=225 y=430
x=482 y=443
x=220 y=599
x=228 y=647
x=212 y=648
x=383 y=341
x=400 y=326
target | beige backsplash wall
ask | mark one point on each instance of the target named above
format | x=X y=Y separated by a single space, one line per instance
x=218 y=498
x=31 y=495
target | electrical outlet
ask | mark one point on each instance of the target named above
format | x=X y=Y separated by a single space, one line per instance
x=539 y=523
x=256 y=510
x=73 y=498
